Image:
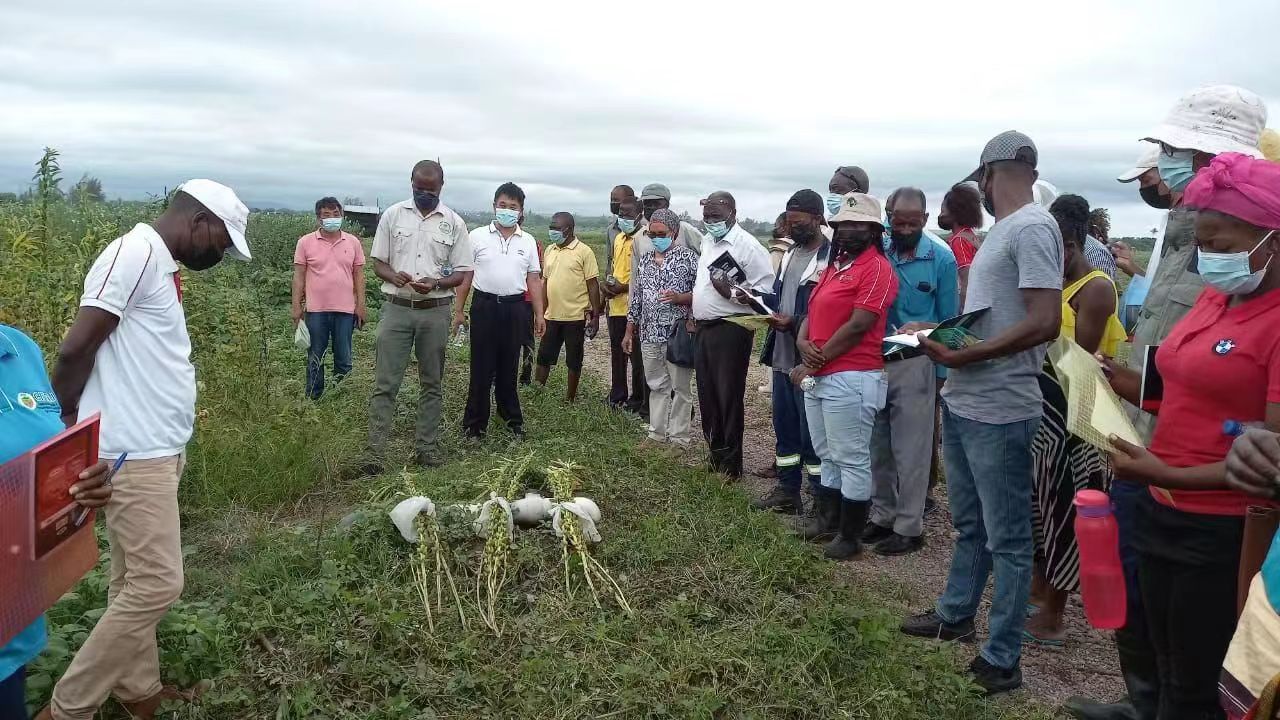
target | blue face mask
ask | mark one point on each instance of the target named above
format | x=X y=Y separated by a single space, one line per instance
x=833 y=203
x=1229 y=273
x=661 y=244
x=506 y=218
x=331 y=224
x=555 y=236
x=717 y=230
x=1175 y=170
x=626 y=225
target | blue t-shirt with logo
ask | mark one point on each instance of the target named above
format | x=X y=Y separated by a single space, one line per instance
x=29 y=415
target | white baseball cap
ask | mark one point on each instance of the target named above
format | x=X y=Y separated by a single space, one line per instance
x=1214 y=119
x=1146 y=161
x=858 y=207
x=222 y=201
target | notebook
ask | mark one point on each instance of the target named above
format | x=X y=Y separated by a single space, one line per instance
x=954 y=332
x=47 y=539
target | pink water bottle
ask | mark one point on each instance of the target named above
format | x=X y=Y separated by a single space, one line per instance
x=1101 y=575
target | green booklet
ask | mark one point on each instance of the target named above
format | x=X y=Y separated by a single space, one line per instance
x=954 y=332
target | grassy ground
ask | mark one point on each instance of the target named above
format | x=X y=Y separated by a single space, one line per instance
x=300 y=602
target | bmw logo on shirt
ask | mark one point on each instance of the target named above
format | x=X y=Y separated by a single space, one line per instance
x=1224 y=346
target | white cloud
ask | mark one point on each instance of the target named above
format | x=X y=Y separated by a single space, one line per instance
x=287 y=102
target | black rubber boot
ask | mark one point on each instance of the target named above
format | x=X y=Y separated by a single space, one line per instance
x=1086 y=709
x=853 y=520
x=825 y=521
x=1138 y=667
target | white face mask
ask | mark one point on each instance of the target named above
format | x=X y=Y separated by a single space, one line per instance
x=1229 y=273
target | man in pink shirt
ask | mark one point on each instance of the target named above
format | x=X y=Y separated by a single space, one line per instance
x=328 y=274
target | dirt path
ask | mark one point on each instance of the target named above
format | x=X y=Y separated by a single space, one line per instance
x=1087 y=665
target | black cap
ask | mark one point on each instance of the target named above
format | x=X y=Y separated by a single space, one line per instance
x=807 y=201
x=858 y=176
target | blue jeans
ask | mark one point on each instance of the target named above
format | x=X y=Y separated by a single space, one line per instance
x=841 y=411
x=795 y=457
x=13 y=705
x=324 y=328
x=989 y=489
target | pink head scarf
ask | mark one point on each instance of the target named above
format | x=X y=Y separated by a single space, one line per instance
x=1240 y=186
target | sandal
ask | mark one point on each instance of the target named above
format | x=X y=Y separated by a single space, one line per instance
x=1029 y=638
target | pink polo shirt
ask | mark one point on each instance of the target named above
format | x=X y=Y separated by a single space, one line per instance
x=331 y=265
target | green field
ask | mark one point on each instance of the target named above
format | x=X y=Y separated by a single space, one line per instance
x=300 y=602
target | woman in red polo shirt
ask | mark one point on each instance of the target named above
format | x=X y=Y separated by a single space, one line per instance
x=1221 y=362
x=843 y=371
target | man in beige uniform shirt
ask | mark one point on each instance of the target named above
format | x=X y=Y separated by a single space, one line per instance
x=421 y=252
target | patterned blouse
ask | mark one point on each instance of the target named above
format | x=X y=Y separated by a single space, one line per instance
x=654 y=317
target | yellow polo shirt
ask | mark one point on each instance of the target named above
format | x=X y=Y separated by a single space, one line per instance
x=567 y=270
x=621 y=263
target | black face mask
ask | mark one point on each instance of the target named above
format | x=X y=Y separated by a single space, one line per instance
x=906 y=242
x=208 y=256
x=945 y=223
x=614 y=207
x=425 y=201
x=847 y=247
x=803 y=234
x=1151 y=196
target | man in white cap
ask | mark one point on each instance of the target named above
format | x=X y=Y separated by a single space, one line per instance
x=128 y=356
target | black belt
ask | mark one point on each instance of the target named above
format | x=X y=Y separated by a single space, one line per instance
x=500 y=299
x=417 y=304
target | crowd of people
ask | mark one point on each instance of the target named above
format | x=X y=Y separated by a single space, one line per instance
x=858 y=427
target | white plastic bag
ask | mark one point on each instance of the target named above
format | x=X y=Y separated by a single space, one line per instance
x=302 y=336
x=588 y=514
x=481 y=525
x=405 y=514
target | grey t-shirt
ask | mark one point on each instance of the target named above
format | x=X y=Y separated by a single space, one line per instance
x=784 y=343
x=1022 y=251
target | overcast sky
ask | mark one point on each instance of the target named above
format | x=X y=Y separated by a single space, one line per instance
x=287 y=102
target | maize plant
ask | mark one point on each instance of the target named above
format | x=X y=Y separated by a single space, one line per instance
x=429 y=564
x=495 y=560
x=563 y=480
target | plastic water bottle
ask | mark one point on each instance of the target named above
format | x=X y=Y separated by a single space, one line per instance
x=808 y=383
x=1102 y=586
x=460 y=337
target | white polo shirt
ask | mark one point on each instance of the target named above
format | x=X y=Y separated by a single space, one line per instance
x=750 y=255
x=502 y=265
x=143 y=381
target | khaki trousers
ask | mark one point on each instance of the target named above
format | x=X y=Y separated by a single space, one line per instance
x=120 y=656
x=670 y=395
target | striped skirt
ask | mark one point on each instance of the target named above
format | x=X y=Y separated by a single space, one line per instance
x=1063 y=464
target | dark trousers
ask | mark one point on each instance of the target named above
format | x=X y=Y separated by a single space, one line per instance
x=572 y=336
x=328 y=328
x=720 y=361
x=795 y=456
x=634 y=396
x=1133 y=643
x=13 y=704
x=497 y=334
x=1187 y=574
